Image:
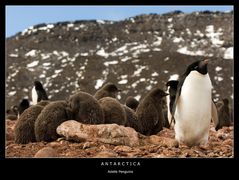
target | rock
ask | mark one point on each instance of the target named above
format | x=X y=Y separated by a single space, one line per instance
x=46 y=152
x=107 y=133
x=106 y=154
x=54 y=144
x=10 y=130
x=168 y=142
x=227 y=142
x=221 y=136
x=89 y=145
x=122 y=148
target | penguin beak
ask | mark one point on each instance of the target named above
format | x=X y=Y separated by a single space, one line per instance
x=119 y=90
x=166 y=94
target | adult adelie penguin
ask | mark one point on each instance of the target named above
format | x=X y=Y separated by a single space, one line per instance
x=38 y=93
x=24 y=104
x=172 y=90
x=192 y=109
x=108 y=90
x=150 y=112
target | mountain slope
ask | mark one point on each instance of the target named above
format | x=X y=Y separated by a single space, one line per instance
x=137 y=54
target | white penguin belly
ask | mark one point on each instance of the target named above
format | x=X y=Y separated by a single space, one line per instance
x=193 y=111
x=34 y=96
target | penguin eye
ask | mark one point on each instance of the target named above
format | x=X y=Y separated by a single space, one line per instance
x=196 y=67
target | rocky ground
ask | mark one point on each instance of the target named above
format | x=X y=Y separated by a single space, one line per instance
x=156 y=146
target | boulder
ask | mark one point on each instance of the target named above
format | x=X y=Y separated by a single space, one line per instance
x=107 y=133
x=46 y=152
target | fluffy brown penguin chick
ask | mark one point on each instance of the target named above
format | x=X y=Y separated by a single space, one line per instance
x=49 y=119
x=113 y=111
x=131 y=119
x=86 y=108
x=24 y=128
x=43 y=102
x=150 y=112
x=224 y=114
x=108 y=90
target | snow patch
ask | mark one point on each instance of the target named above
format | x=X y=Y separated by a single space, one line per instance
x=198 y=33
x=124 y=81
x=100 y=21
x=214 y=36
x=12 y=93
x=125 y=59
x=170 y=19
x=33 y=64
x=139 y=70
x=157 y=42
x=142 y=79
x=102 y=53
x=31 y=53
x=70 y=25
x=42 y=76
x=123 y=76
x=58 y=71
x=132 y=20
x=154 y=74
x=157 y=49
x=177 y=40
x=218 y=68
x=84 y=54
x=46 y=64
x=110 y=62
x=174 y=77
x=148 y=88
x=114 y=39
x=137 y=97
x=99 y=83
x=13 y=55
x=184 y=50
x=166 y=59
x=228 y=54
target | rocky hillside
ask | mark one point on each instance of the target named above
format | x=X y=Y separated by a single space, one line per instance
x=136 y=54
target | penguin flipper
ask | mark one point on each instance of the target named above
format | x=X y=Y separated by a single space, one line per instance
x=214 y=115
x=44 y=95
x=41 y=95
x=178 y=93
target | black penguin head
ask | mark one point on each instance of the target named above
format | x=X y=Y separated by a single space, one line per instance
x=172 y=84
x=225 y=101
x=199 y=66
x=159 y=93
x=131 y=102
x=111 y=87
x=25 y=103
x=38 y=85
